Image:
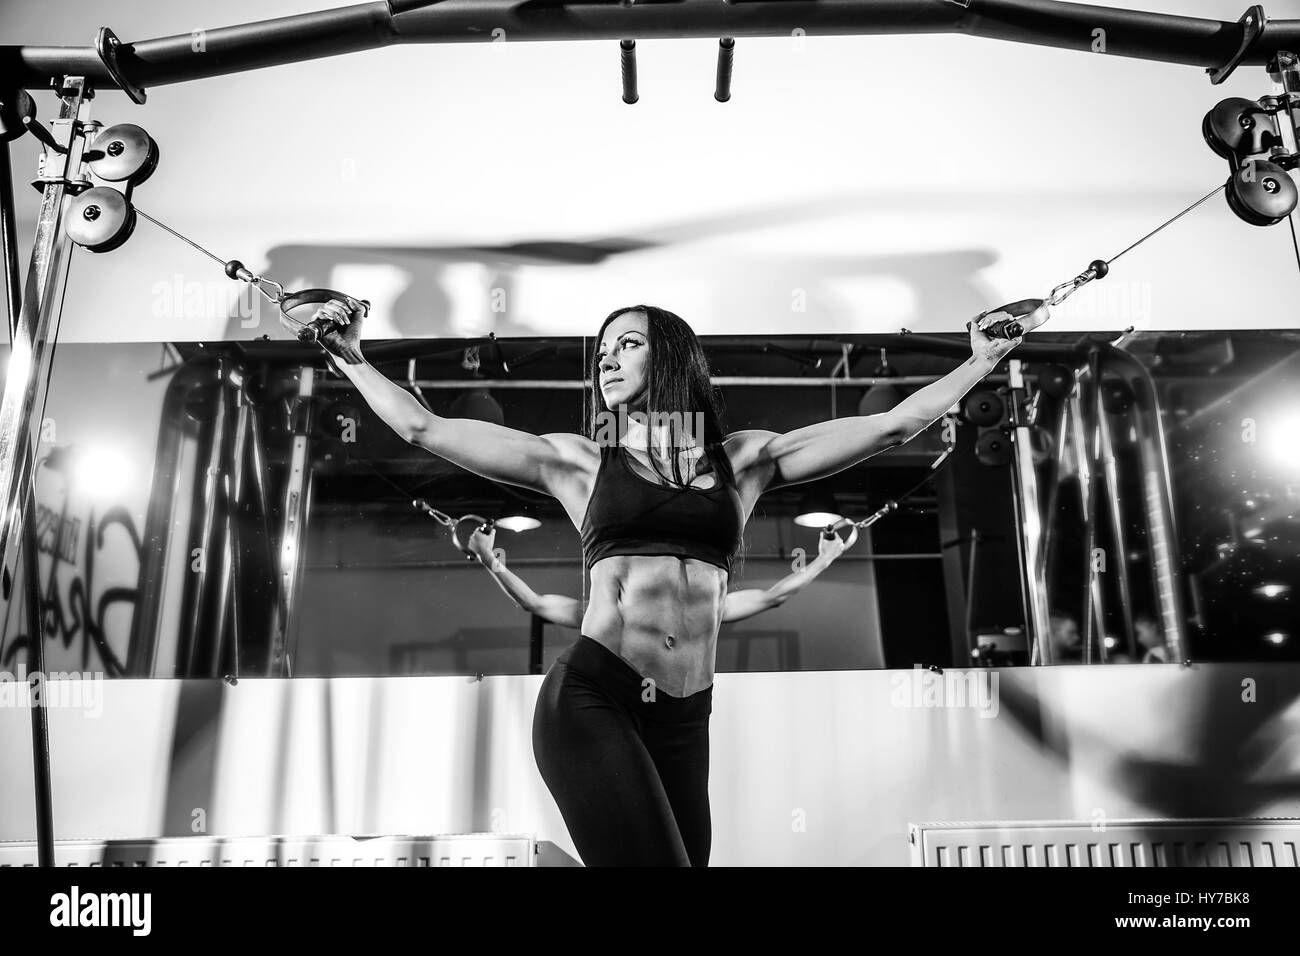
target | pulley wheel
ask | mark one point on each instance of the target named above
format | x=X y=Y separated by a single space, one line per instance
x=124 y=153
x=1261 y=193
x=1229 y=124
x=983 y=408
x=17 y=106
x=100 y=219
x=1056 y=380
x=993 y=449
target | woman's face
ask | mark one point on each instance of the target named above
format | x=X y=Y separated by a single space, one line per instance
x=623 y=358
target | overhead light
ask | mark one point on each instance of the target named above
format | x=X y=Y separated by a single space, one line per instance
x=817 y=508
x=518 y=523
x=1277 y=638
x=1254 y=532
x=1272 y=589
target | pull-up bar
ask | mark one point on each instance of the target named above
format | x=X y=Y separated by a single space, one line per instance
x=1216 y=45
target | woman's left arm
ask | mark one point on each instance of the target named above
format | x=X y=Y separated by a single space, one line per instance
x=825 y=448
x=742 y=604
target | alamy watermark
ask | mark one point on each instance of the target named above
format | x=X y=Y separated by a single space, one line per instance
x=69 y=690
x=681 y=427
x=976 y=688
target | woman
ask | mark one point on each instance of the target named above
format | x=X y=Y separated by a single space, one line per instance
x=564 y=611
x=620 y=729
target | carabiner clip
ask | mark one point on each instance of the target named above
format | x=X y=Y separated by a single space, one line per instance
x=1097 y=269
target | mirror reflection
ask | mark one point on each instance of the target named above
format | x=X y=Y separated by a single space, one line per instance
x=239 y=510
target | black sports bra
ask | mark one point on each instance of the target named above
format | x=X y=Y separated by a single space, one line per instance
x=630 y=514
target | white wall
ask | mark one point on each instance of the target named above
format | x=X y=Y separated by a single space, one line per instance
x=897 y=181
x=817 y=768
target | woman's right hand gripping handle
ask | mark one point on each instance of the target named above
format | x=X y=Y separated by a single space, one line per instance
x=399 y=409
x=343 y=341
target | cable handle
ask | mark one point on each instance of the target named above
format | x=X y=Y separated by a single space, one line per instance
x=1013 y=327
x=317 y=329
x=828 y=532
x=484 y=524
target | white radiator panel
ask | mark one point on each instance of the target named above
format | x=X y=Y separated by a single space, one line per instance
x=1119 y=843
x=468 y=849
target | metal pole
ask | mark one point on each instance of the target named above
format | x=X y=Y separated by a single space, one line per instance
x=207 y=536
x=226 y=504
x=34 y=328
x=1119 y=534
x=13 y=281
x=9 y=239
x=1053 y=490
x=142 y=651
x=235 y=495
x=1028 y=524
x=250 y=46
x=718 y=380
x=28 y=374
x=950 y=542
x=261 y=476
x=1094 y=617
x=297 y=489
x=1083 y=467
x=294 y=629
x=36 y=658
x=1158 y=498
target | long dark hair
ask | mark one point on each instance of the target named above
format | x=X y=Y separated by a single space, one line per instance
x=679 y=387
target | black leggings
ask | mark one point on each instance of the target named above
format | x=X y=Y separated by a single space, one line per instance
x=627 y=764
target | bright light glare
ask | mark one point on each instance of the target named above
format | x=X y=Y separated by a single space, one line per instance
x=1272 y=589
x=1280 y=436
x=1276 y=637
x=102 y=472
x=518 y=523
x=816 y=519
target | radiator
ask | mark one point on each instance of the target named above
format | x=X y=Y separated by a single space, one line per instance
x=1202 y=842
x=468 y=849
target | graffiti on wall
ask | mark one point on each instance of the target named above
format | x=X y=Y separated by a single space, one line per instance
x=75 y=623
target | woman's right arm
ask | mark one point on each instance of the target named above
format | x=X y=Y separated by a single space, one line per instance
x=537 y=462
x=554 y=608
